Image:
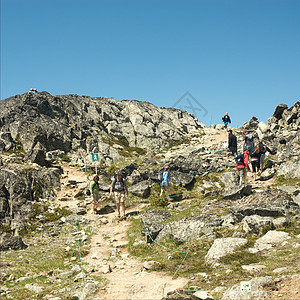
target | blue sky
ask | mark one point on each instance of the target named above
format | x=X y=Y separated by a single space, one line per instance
x=239 y=56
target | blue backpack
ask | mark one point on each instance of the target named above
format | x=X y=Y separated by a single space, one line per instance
x=160 y=176
x=240 y=159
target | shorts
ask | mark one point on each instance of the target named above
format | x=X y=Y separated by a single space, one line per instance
x=242 y=172
x=95 y=198
x=119 y=197
x=164 y=183
x=255 y=166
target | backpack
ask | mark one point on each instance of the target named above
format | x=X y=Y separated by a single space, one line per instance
x=121 y=181
x=160 y=176
x=240 y=159
x=249 y=138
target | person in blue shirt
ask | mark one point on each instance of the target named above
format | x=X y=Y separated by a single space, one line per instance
x=165 y=182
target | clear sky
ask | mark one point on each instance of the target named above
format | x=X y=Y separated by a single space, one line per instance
x=238 y=56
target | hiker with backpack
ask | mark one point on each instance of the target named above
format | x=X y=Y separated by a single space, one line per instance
x=232 y=143
x=248 y=144
x=165 y=181
x=226 y=119
x=263 y=149
x=241 y=165
x=94 y=189
x=255 y=161
x=119 y=189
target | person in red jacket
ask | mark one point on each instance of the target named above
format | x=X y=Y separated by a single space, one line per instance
x=242 y=162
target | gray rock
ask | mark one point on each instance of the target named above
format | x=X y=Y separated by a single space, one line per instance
x=180 y=295
x=256 y=285
x=141 y=189
x=238 y=192
x=290 y=169
x=88 y=289
x=151 y=231
x=255 y=223
x=190 y=229
x=203 y=295
x=153 y=216
x=230 y=179
x=281 y=222
x=222 y=247
x=8 y=242
x=269 y=239
x=279 y=110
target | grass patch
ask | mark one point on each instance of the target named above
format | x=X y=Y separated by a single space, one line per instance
x=282 y=180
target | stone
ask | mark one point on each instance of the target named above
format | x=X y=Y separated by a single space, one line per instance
x=230 y=179
x=281 y=222
x=271 y=238
x=279 y=110
x=256 y=284
x=105 y=269
x=237 y=192
x=88 y=289
x=222 y=247
x=190 y=229
x=203 y=295
x=255 y=224
x=148 y=265
x=141 y=189
x=8 y=242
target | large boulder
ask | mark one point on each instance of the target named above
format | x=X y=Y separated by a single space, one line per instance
x=8 y=242
x=222 y=247
x=270 y=239
x=279 y=110
x=141 y=189
x=255 y=224
x=190 y=229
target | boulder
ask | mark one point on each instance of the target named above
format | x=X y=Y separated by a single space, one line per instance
x=290 y=169
x=255 y=224
x=141 y=189
x=151 y=231
x=222 y=247
x=190 y=229
x=154 y=216
x=256 y=285
x=279 y=110
x=270 y=239
x=8 y=242
x=236 y=192
x=230 y=179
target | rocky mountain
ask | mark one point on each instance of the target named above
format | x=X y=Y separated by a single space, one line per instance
x=84 y=125
x=231 y=233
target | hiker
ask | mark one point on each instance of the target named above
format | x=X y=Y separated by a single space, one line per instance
x=232 y=143
x=263 y=149
x=226 y=119
x=241 y=165
x=255 y=161
x=94 y=188
x=165 y=182
x=248 y=144
x=119 y=189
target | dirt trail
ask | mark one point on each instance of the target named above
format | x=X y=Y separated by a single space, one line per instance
x=127 y=279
